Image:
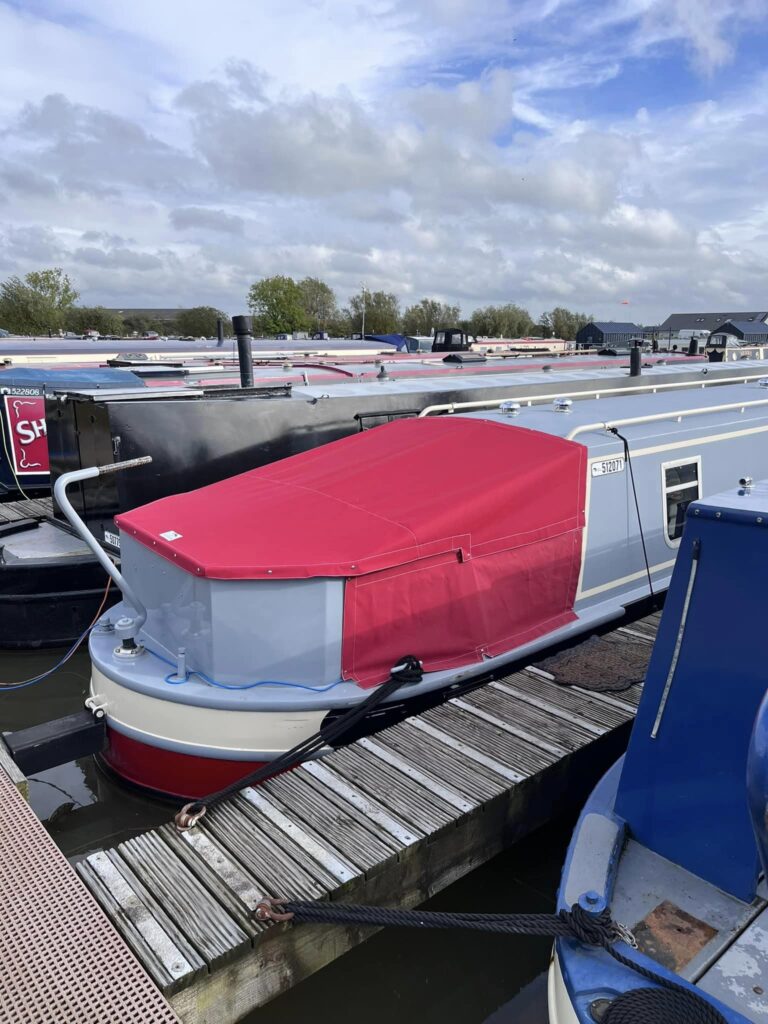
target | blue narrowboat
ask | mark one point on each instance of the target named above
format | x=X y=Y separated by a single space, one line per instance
x=673 y=842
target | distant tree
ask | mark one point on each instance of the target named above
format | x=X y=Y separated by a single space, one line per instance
x=429 y=314
x=319 y=303
x=340 y=326
x=563 y=323
x=277 y=305
x=507 y=321
x=137 y=324
x=382 y=312
x=93 y=318
x=200 y=322
x=37 y=304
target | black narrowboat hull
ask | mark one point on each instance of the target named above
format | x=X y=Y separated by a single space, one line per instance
x=49 y=605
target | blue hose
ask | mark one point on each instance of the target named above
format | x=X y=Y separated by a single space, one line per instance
x=244 y=686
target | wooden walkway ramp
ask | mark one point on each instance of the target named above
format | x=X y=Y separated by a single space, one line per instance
x=61 y=960
x=390 y=819
x=30 y=508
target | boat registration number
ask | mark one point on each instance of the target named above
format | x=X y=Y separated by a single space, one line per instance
x=606 y=466
x=112 y=538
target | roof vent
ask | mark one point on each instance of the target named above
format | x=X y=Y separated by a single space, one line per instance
x=563 y=404
x=510 y=408
x=745 y=485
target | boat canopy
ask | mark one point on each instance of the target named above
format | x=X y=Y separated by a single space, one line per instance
x=459 y=538
x=78 y=376
x=400 y=341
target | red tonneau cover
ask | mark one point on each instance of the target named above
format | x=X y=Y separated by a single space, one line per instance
x=459 y=537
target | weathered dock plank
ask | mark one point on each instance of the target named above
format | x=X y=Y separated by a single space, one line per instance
x=12 y=770
x=390 y=819
x=27 y=508
x=63 y=962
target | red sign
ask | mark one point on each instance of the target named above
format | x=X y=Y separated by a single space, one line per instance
x=29 y=435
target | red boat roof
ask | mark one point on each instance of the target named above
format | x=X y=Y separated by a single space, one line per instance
x=403 y=491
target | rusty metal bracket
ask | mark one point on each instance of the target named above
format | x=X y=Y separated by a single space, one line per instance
x=269 y=909
x=187 y=818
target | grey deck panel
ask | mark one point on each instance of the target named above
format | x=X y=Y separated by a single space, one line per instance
x=270 y=866
x=463 y=750
x=592 y=706
x=413 y=801
x=508 y=687
x=426 y=782
x=493 y=715
x=472 y=780
x=140 y=911
x=349 y=818
x=373 y=808
x=511 y=751
x=359 y=843
x=207 y=925
x=739 y=978
x=321 y=856
x=532 y=721
x=220 y=873
x=645 y=880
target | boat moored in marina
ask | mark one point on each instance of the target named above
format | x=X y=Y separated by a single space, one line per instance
x=257 y=607
x=24 y=459
x=673 y=842
x=200 y=425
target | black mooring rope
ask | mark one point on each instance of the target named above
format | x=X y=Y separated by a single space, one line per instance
x=669 y=1003
x=407 y=670
x=628 y=457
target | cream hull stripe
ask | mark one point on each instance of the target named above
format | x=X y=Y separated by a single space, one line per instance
x=234 y=735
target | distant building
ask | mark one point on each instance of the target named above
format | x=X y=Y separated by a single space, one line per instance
x=165 y=318
x=606 y=334
x=677 y=322
x=750 y=331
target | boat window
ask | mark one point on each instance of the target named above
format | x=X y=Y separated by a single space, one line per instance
x=681 y=487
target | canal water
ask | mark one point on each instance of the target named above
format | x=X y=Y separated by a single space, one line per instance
x=429 y=977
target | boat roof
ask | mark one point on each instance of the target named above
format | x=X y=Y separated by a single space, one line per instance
x=407 y=490
x=614 y=410
x=752 y=500
x=558 y=379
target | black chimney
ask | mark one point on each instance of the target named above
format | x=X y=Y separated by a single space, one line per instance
x=241 y=325
x=634 y=360
x=219 y=332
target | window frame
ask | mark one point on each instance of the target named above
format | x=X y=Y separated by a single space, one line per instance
x=693 y=460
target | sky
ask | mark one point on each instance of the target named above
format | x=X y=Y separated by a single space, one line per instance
x=611 y=157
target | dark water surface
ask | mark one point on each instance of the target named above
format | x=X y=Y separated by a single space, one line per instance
x=425 y=977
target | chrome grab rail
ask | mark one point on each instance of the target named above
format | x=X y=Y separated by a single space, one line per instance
x=492 y=403
x=62 y=500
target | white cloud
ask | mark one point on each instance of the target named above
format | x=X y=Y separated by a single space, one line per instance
x=169 y=154
x=191 y=218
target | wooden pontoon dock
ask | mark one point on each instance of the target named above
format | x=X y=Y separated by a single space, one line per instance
x=28 y=508
x=391 y=819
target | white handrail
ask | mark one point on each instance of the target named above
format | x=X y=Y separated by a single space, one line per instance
x=491 y=403
x=678 y=414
